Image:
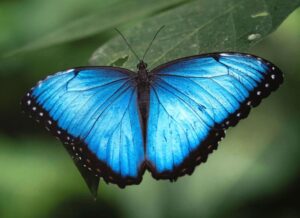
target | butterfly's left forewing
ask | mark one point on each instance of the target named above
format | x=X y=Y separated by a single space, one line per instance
x=94 y=112
x=194 y=99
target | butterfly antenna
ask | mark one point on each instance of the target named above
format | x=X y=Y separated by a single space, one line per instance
x=129 y=46
x=150 y=44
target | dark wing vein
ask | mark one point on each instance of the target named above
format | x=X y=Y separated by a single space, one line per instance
x=88 y=99
x=218 y=84
x=121 y=120
x=196 y=77
x=242 y=63
x=157 y=96
x=187 y=104
x=111 y=102
x=99 y=86
x=208 y=94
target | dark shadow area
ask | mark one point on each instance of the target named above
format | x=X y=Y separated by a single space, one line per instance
x=281 y=204
x=85 y=207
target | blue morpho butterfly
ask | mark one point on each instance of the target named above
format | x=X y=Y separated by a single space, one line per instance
x=116 y=123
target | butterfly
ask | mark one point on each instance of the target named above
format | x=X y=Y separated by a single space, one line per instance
x=116 y=124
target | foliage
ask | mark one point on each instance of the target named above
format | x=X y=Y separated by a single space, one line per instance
x=198 y=27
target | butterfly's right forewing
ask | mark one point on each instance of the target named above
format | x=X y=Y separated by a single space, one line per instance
x=94 y=112
x=194 y=99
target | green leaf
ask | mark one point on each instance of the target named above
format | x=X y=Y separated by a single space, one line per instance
x=198 y=27
x=107 y=15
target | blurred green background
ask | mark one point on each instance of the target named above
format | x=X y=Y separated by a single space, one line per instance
x=254 y=173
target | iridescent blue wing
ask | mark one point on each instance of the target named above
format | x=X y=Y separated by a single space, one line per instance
x=194 y=99
x=94 y=112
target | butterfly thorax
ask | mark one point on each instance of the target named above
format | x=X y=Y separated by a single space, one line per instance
x=143 y=75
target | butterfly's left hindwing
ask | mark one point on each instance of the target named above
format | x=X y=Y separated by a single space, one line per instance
x=94 y=112
x=193 y=100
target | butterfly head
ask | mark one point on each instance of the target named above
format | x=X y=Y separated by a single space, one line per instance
x=143 y=75
x=141 y=66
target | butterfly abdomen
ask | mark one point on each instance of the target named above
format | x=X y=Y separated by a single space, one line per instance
x=143 y=99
